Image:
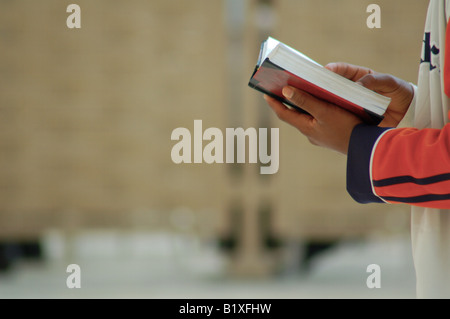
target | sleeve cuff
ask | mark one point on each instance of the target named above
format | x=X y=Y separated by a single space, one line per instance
x=362 y=142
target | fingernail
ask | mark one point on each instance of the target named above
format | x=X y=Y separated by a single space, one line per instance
x=330 y=66
x=288 y=92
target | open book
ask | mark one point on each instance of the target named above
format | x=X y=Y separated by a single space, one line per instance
x=280 y=65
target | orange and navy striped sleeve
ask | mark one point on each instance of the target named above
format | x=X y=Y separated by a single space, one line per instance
x=404 y=165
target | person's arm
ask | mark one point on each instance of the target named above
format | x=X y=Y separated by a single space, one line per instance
x=394 y=165
x=403 y=165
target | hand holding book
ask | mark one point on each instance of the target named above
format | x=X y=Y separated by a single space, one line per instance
x=332 y=100
x=399 y=91
x=331 y=126
x=326 y=125
x=280 y=65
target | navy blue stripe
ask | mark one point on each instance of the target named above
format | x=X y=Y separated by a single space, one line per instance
x=362 y=140
x=410 y=179
x=419 y=199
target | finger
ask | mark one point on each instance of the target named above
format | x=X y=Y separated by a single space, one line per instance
x=299 y=120
x=382 y=83
x=316 y=107
x=349 y=71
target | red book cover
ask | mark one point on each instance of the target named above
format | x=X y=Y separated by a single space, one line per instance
x=270 y=79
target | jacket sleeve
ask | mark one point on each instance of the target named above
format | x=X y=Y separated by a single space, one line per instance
x=404 y=165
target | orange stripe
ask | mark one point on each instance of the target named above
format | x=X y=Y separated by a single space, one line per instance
x=412 y=152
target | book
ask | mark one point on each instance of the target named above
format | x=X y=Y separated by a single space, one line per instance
x=280 y=65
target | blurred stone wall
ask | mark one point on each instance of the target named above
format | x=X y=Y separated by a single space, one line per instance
x=87 y=114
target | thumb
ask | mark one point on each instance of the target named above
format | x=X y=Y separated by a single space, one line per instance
x=305 y=101
x=349 y=71
x=382 y=83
